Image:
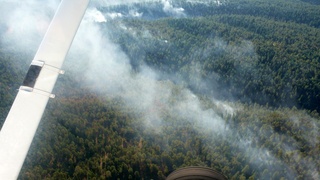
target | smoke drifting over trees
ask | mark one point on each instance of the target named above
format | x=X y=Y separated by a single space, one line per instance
x=151 y=86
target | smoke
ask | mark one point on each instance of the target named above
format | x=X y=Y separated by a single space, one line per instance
x=129 y=2
x=26 y=21
x=207 y=2
x=93 y=14
x=106 y=3
x=134 y=13
x=167 y=7
x=105 y=68
x=170 y=9
x=108 y=72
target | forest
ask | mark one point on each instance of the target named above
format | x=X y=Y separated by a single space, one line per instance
x=232 y=85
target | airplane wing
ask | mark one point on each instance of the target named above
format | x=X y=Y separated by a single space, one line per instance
x=25 y=114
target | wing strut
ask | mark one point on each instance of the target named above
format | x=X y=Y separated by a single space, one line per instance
x=26 y=112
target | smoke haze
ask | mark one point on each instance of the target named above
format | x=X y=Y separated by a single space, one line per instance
x=107 y=70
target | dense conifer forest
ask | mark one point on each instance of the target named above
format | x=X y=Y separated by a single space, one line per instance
x=232 y=85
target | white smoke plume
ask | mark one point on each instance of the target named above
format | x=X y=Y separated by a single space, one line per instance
x=105 y=3
x=129 y=2
x=26 y=21
x=170 y=9
x=108 y=70
x=93 y=14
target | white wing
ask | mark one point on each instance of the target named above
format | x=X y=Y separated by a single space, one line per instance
x=25 y=114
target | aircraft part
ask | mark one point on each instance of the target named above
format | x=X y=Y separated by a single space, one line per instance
x=195 y=173
x=25 y=114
